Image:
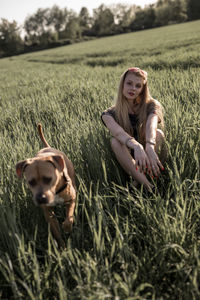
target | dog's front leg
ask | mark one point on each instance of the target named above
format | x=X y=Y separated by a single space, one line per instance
x=68 y=223
x=54 y=225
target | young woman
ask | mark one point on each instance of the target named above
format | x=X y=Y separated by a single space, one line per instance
x=133 y=122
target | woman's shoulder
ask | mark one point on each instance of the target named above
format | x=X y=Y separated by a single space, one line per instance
x=154 y=101
x=109 y=111
x=153 y=105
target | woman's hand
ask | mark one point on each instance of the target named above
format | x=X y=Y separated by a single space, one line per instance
x=141 y=158
x=155 y=164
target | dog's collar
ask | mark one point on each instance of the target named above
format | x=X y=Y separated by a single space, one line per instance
x=62 y=188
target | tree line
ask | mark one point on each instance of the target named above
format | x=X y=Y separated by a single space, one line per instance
x=52 y=27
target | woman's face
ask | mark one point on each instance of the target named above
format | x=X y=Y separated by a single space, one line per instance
x=133 y=86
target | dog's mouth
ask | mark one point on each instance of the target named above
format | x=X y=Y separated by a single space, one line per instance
x=42 y=199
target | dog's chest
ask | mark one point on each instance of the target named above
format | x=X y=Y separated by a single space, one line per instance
x=58 y=200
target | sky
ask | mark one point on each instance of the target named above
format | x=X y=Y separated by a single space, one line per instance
x=18 y=10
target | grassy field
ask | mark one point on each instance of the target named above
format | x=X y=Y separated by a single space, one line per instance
x=123 y=246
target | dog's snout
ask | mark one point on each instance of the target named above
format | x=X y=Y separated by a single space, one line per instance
x=41 y=198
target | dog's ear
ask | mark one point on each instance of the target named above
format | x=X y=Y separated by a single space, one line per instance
x=59 y=160
x=20 y=167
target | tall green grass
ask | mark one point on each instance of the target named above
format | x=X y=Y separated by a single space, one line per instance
x=124 y=245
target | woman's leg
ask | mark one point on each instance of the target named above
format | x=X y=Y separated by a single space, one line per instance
x=160 y=146
x=128 y=163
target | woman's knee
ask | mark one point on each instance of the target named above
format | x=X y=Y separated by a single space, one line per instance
x=161 y=145
x=160 y=137
x=115 y=144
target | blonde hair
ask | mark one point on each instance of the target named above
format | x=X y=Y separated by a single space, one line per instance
x=145 y=104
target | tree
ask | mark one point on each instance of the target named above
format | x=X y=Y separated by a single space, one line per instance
x=47 y=25
x=73 y=29
x=85 y=19
x=123 y=15
x=162 y=13
x=57 y=18
x=36 y=26
x=171 y=11
x=179 y=11
x=10 y=39
x=193 y=9
x=144 y=18
x=103 y=21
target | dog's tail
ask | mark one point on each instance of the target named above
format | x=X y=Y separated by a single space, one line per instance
x=42 y=135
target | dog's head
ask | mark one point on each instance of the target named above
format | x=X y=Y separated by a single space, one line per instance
x=42 y=175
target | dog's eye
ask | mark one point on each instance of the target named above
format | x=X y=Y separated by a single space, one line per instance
x=32 y=182
x=46 y=180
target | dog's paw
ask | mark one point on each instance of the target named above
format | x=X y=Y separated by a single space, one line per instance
x=67 y=224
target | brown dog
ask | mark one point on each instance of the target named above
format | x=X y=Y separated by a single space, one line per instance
x=51 y=178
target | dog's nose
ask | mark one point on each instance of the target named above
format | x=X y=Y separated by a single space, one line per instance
x=41 y=198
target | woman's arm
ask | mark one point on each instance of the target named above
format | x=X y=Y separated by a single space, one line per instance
x=151 y=127
x=151 y=131
x=117 y=131
x=141 y=159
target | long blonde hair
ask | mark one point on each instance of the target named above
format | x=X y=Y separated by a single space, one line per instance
x=144 y=105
